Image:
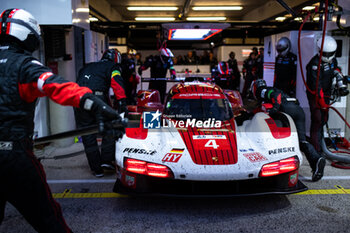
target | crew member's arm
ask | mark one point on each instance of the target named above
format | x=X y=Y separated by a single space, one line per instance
x=311 y=75
x=37 y=80
x=117 y=84
x=148 y=62
x=270 y=95
x=293 y=64
x=171 y=69
x=341 y=83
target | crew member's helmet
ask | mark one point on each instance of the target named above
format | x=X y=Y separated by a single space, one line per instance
x=223 y=68
x=329 y=48
x=283 y=46
x=112 y=55
x=256 y=84
x=20 y=26
x=165 y=52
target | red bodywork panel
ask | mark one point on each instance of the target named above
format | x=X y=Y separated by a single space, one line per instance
x=278 y=132
x=210 y=146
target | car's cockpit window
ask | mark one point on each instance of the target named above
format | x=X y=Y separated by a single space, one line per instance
x=203 y=109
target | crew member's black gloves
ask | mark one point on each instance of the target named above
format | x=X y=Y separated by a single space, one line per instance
x=272 y=110
x=104 y=113
x=123 y=106
x=343 y=91
x=276 y=100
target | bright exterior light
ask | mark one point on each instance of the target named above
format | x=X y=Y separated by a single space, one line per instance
x=308 y=8
x=186 y=34
x=316 y=19
x=82 y=10
x=298 y=19
x=152 y=8
x=205 y=18
x=192 y=34
x=154 y=18
x=280 y=18
x=219 y=8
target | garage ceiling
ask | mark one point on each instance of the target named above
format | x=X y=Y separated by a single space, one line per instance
x=256 y=18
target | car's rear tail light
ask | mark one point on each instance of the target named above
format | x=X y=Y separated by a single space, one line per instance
x=279 y=167
x=145 y=168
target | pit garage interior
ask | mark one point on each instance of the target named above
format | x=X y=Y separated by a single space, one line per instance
x=77 y=32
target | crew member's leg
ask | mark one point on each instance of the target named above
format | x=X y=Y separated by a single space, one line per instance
x=92 y=151
x=27 y=190
x=316 y=161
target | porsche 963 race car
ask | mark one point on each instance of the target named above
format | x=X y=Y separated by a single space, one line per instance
x=200 y=146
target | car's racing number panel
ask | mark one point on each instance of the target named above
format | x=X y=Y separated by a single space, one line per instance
x=211 y=147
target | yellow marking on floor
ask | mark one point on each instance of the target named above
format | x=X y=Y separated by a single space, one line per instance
x=68 y=194
x=339 y=190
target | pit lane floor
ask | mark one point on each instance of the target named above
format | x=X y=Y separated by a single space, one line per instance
x=89 y=205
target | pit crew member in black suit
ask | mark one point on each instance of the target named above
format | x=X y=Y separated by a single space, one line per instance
x=285 y=67
x=159 y=65
x=22 y=80
x=100 y=76
x=320 y=100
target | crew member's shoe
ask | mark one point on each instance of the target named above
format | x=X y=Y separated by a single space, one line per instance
x=318 y=173
x=108 y=166
x=98 y=174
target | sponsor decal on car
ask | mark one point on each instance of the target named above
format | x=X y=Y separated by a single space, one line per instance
x=130 y=181
x=293 y=179
x=246 y=150
x=282 y=150
x=139 y=151
x=174 y=155
x=255 y=157
x=209 y=142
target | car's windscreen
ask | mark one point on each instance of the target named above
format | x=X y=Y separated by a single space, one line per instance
x=202 y=109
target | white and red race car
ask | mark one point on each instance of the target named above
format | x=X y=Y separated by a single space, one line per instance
x=200 y=146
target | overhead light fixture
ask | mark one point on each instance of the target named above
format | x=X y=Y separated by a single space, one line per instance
x=316 y=18
x=154 y=18
x=298 y=19
x=280 y=18
x=308 y=8
x=152 y=8
x=205 y=18
x=82 y=10
x=218 y=8
x=93 y=19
